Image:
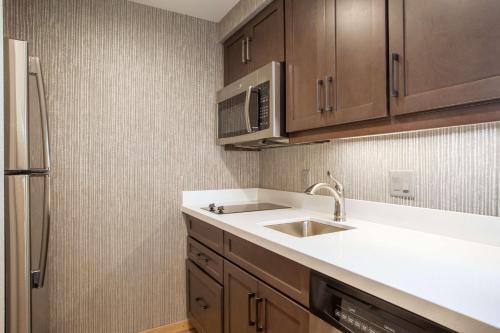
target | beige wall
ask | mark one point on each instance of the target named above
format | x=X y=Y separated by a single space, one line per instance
x=130 y=93
x=456 y=168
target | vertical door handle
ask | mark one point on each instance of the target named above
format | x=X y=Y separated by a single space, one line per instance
x=260 y=326
x=248 y=40
x=250 y=297
x=394 y=90
x=328 y=92
x=38 y=275
x=243 y=59
x=35 y=69
x=201 y=302
x=319 y=85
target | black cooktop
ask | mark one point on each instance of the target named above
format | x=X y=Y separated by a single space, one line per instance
x=250 y=207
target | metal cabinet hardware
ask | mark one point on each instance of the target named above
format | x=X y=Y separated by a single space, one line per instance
x=250 y=297
x=248 y=40
x=319 y=85
x=243 y=60
x=394 y=59
x=328 y=91
x=203 y=257
x=260 y=326
x=36 y=70
x=201 y=302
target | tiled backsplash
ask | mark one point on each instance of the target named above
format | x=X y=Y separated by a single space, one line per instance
x=456 y=168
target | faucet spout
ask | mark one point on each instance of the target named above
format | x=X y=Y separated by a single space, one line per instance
x=339 y=212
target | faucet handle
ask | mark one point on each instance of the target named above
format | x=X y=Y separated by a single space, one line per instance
x=338 y=185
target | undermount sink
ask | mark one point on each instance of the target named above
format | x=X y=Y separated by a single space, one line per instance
x=307 y=228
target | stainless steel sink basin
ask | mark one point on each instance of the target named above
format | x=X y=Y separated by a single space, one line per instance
x=307 y=228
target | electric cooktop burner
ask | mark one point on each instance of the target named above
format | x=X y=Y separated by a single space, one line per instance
x=250 y=207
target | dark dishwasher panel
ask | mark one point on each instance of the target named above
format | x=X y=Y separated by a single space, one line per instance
x=354 y=311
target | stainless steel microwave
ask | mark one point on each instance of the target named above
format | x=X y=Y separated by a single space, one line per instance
x=250 y=111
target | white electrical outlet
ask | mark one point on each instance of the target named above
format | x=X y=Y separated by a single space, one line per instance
x=402 y=183
x=305 y=180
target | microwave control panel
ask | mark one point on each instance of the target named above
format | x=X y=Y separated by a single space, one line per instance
x=264 y=104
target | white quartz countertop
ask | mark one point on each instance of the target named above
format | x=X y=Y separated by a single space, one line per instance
x=451 y=281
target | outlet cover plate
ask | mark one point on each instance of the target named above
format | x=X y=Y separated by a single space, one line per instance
x=402 y=183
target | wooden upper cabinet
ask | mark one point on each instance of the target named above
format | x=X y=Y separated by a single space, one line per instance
x=256 y=44
x=360 y=79
x=336 y=62
x=444 y=53
x=305 y=63
x=235 y=63
x=267 y=36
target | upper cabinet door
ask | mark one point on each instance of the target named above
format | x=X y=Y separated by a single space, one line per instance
x=235 y=61
x=443 y=53
x=266 y=36
x=358 y=91
x=305 y=62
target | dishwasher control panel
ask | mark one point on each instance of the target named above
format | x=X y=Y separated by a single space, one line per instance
x=354 y=311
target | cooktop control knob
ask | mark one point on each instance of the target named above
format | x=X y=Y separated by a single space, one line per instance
x=211 y=207
x=220 y=209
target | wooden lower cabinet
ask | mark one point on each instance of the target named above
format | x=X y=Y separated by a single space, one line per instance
x=252 y=306
x=204 y=300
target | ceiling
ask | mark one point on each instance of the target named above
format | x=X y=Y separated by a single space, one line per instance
x=211 y=10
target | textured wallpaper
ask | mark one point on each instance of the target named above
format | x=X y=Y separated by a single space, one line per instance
x=456 y=168
x=131 y=94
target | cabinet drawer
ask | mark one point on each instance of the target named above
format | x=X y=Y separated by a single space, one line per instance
x=210 y=236
x=207 y=259
x=287 y=276
x=204 y=300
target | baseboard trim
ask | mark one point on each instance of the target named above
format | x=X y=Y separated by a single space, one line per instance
x=179 y=327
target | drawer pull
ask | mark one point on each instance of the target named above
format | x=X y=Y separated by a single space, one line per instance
x=250 y=297
x=201 y=302
x=260 y=327
x=203 y=257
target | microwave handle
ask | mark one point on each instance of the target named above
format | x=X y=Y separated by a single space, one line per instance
x=247 y=108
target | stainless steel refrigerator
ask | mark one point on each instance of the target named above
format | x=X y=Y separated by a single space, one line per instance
x=27 y=191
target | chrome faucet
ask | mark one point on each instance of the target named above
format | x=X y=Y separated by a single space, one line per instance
x=338 y=194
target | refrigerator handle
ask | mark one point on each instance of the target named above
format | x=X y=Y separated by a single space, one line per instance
x=35 y=69
x=38 y=275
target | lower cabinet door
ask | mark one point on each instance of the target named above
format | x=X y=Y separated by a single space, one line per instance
x=278 y=314
x=204 y=300
x=240 y=292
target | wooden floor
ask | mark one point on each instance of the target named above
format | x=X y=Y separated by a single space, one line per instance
x=180 y=327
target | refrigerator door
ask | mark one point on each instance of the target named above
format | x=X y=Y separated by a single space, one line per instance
x=27 y=219
x=17 y=255
x=26 y=121
x=39 y=229
x=16 y=105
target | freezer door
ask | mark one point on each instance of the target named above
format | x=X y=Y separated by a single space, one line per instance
x=26 y=120
x=27 y=209
x=17 y=255
x=16 y=105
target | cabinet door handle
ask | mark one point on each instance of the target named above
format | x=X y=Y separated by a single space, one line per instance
x=394 y=90
x=260 y=326
x=250 y=321
x=201 y=302
x=328 y=91
x=248 y=39
x=243 y=60
x=203 y=257
x=319 y=85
